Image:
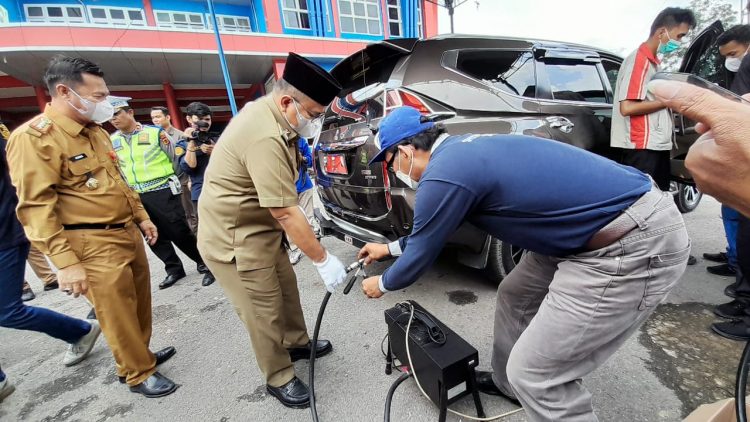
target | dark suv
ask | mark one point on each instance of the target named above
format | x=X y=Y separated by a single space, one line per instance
x=472 y=85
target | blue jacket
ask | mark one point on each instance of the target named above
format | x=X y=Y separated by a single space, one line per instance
x=11 y=231
x=303 y=182
x=196 y=174
x=541 y=195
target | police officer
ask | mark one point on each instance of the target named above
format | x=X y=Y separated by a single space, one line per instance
x=147 y=159
x=605 y=246
x=249 y=201
x=160 y=117
x=77 y=209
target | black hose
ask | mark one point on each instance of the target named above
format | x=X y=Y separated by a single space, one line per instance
x=389 y=397
x=313 y=408
x=740 y=387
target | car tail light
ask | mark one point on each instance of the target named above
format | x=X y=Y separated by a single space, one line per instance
x=386 y=185
x=397 y=98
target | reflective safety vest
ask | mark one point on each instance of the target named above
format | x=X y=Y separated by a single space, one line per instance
x=144 y=164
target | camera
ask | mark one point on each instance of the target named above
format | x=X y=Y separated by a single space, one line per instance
x=199 y=136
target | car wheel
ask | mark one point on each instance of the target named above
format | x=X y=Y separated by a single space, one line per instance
x=687 y=197
x=503 y=257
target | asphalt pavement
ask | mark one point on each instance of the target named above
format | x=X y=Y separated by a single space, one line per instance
x=672 y=364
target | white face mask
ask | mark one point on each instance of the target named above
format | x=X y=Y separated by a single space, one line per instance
x=733 y=63
x=406 y=178
x=100 y=112
x=305 y=127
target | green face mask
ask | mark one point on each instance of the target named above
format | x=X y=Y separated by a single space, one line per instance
x=670 y=46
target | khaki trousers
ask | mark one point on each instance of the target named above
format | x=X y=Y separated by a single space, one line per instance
x=120 y=289
x=559 y=319
x=267 y=301
x=41 y=268
x=191 y=214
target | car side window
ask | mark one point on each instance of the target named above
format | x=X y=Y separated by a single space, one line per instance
x=710 y=66
x=507 y=70
x=575 y=81
x=612 y=69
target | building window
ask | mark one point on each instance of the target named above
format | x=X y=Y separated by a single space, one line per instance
x=360 y=16
x=296 y=14
x=230 y=23
x=183 y=20
x=119 y=16
x=394 y=17
x=54 y=13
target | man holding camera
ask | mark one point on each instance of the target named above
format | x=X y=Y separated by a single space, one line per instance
x=198 y=143
x=146 y=158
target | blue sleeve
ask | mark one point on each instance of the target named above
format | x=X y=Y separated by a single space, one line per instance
x=183 y=164
x=304 y=149
x=440 y=208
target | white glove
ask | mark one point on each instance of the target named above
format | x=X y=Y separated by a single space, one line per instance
x=332 y=272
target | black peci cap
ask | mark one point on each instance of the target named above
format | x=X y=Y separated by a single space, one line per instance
x=311 y=79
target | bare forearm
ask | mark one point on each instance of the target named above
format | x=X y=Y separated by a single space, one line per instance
x=190 y=157
x=639 y=108
x=298 y=229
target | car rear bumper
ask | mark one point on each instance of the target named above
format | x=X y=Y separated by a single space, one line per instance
x=347 y=232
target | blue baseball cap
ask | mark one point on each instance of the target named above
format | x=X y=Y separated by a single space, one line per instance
x=399 y=124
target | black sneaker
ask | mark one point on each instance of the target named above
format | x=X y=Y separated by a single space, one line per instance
x=716 y=257
x=724 y=270
x=734 y=330
x=732 y=310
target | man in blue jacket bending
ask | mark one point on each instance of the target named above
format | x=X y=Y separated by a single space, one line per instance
x=605 y=246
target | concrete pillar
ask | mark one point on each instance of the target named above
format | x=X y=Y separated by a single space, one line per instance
x=174 y=109
x=41 y=97
x=149 y=11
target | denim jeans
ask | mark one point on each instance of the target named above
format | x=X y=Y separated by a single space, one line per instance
x=730 y=218
x=15 y=314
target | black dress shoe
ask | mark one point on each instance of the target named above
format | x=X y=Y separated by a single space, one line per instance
x=157 y=385
x=92 y=314
x=734 y=330
x=732 y=310
x=27 y=295
x=293 y=394
x=52 y=286
x=171 y=279
x=323 y=348
x=724 y=270
x=692 y=260
x=208 y=279
x=716 y=257
x=161 y=356
x=731 y=290
x=486 y=385
x=202 y=268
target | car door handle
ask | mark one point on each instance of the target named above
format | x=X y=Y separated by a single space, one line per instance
x=561 y=123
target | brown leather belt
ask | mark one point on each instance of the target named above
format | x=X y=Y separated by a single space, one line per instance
x=93 y=226
x=627 y=221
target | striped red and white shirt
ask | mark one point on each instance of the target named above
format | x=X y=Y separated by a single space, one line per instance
x=649 y=131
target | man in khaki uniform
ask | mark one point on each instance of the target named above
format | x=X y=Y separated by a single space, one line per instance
x=77 y=209
x=248 y=202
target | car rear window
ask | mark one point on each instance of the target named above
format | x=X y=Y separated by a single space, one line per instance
x=575 y=81
x=507 y=70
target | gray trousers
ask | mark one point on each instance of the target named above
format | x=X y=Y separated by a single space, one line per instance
x=558 y=319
